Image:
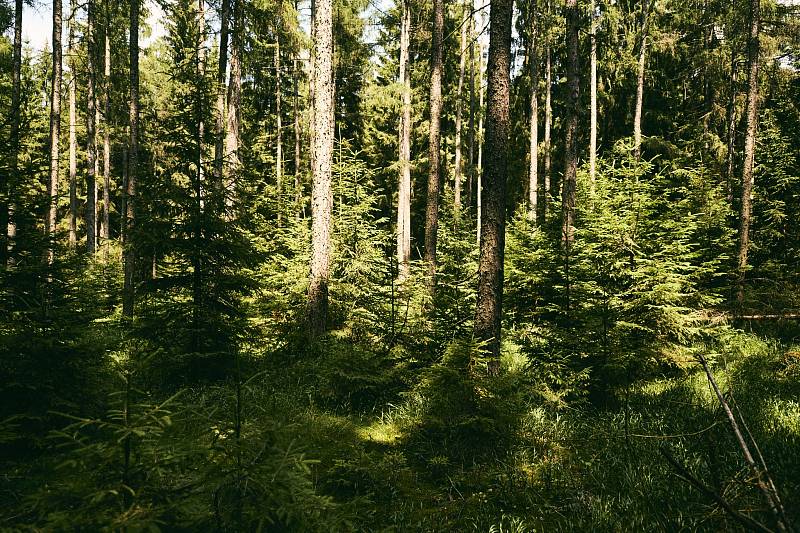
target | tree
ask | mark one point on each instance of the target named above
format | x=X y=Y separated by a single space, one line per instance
x=533 y=171
x=637 y=117
x=488 y=308
x=434 y=139
x=106 y=233
x=232 y=139
x=73 y=130
x=55 y=130
x=129 y=254
x=753 y=51
x=404 y=182
x=222 y=68
x=91 y=133
x=5 y=187
x=459 y=105
x=548 y=121
x=321 y=193
x=593 y=98
x=571 y=127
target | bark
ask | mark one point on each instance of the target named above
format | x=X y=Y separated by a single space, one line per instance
x=637 y=117
x=593 y=102
x=198 y=293
x=571 y=127
x=73 y=131
x=753 y=50
x=55 y=130
x=533 y=172
x=232 y=139
x=730 y=157
x=222 y=68
x=548 y=121
x=321 y=194
x=106 y=132
x=488 y=308
x=471 y=140
x=91 y=133
x=297 y=133
x=279 y=127
x=404 y=186
x=479 y=185
x=432 y=210
x=129 y=248
x=6 y=222
x=459 y=105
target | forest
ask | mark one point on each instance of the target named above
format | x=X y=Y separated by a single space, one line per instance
x=400 y=265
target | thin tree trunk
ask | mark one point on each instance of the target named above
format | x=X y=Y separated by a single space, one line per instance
x=129 y=253
x=55 y=131
x=461 y=70
x=432 y=210
x=593 y=103
x=637 y=118
x=479 y=201
x=297 y=133
x=232 y=140
x=404 y=186
x=106 y=131
x=91 y=133
x=753 y=50
x=279 y=127
x=730 y=157
x=7 y=228
x=488 y=308
x=548 y=121
x=73 y=131
x=471 y=141
x=533 y=172
x=198 y=293
x=222 y=68
x=571 y=130
x=322 y=194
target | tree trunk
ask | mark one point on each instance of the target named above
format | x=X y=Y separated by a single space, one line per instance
x=129 y=248
x=232 y=139
x=533 y=172
x=73 y=131
x=297 y=133
x=106 y=131
x=548 y=121
x=471 y=141
x=222 y=68
x=404 y=186
x=279 y=127
x=730 y=157
x=6 y=222
x=321 y=194
x=571 y=129
x=593 y=103
x=488 y=308
x=91 y=133
x=637 y=118
x=753 y=50
x=432 y=210
x=479 y=201
x=198 y=292
x=55 y=131
x=461 y=69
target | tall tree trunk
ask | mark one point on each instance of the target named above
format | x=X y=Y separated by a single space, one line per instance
x=297 y=133
x=222 y=68
x=404 y=185
x=279 y=126
x=91 y=133
x=471 y=140
x=432 y=210
x=321 y=194
x=106 y=130
x=488 y=308
x=593 y=102
x=533 y=171
x=232 y=139
x=753 y=50
x=548 y=121
x=730 y=157
x=73 y=131
x=479 y=185
x=7 y=228
x=570 y=134
x=198 y=292
x=129 y=249
x=55 y=131
x=461 y=70
x=637 y=117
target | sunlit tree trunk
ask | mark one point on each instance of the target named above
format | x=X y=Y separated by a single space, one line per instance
x=404 y=187
x=479 y=184
x=106 y=130
x=461 y=71
x=533 y=171
x=488 y=309
x=548 y=121
x=222 y=68
x=471 y=140
x=432 y=210
x=570 y=134
x=321 y=194
x=593 y=101
x=279 y=127
x=91 y=132
x=232 y=139
x=753 y=50
x=129 y=249
x=7 y=228
x=297 y=132
x=730 y=157
x=73 y=131
x=55 y=131
x=637 y=117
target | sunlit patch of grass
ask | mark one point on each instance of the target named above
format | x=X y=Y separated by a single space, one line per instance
x=380 y=431
x=782 y=416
